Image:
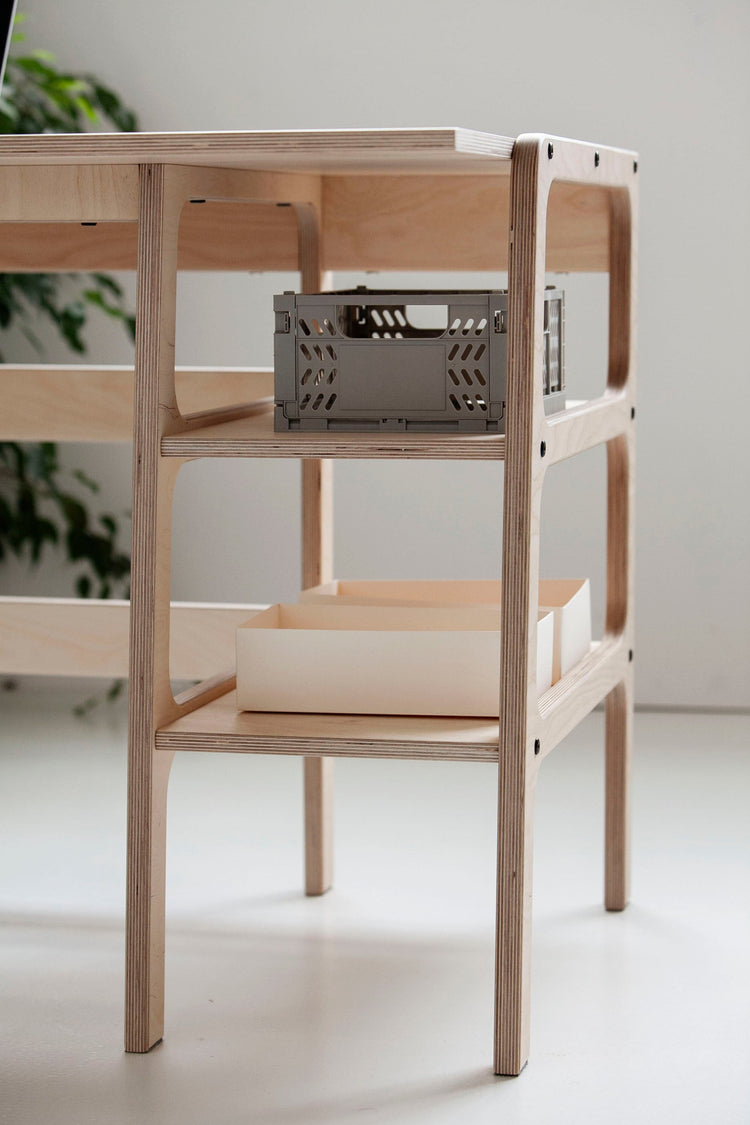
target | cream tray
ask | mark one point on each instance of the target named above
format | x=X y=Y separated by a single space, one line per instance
x=378 y=659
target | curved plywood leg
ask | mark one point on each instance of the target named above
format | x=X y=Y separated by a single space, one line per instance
x=620 y=548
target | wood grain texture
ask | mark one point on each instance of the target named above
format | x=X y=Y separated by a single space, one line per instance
x=576 y=694
x=255 y=437
x=221 y=727
x=585 y=425
x=83 y=193
x=620 y=614
x=520 y=577
x=618 y=766
x=450 y=222
x=533 y=443
x=317 y=567
x=213 y=236
x=370 y=222
x=309 y=150
x=150 y=694
x=95 y=403
x=89 y=637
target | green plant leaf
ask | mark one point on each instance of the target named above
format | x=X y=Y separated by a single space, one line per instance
x=85 y=480
x=74 y=512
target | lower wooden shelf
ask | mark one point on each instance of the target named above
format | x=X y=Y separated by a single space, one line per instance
x=219 y=726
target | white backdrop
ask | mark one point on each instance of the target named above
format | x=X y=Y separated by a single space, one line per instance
x=667 y=78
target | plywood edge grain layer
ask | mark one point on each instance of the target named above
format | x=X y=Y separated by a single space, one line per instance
x=570 y=700
x=307 y=150
x=220 y=727
x=255 y=437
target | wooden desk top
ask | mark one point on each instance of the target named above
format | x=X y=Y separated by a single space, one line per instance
x=325 y=151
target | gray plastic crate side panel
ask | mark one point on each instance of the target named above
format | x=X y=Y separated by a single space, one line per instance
x=284 y=347
x=498 y=345
x=413 y=379
x=553 y=355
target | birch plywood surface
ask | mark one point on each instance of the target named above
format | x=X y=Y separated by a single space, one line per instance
x=213 y=236
x=370 y=222
x=255 y=437
x=290 y=150
x=88 y=637
x=220 y=726
x=71 y=403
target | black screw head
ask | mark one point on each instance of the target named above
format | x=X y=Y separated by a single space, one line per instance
x=596 y=159
x=635 y=165
x=543 y=449
x=630 y=655
x=550 y=150
x=537 y=746
x=632 y=412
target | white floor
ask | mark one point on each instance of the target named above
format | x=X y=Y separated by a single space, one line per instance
x=375 y=1002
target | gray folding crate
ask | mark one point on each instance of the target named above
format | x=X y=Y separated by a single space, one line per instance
x=359 y=359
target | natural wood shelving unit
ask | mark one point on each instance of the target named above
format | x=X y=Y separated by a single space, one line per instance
x=397 y=199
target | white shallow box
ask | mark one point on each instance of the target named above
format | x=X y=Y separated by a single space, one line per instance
x=377 y=660
x=568 y=599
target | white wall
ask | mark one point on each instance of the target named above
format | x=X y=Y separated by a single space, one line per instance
x=665 y=77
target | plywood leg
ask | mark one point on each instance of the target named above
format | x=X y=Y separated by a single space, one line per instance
x=144 y=967
x=620 y=551
x=317 y=535
x=317 y=567
x=151 y=701
x=519 y=714
x=318 y=825
x=513 y=948
x=618 y=751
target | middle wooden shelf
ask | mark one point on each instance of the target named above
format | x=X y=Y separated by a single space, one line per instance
x=254 y=436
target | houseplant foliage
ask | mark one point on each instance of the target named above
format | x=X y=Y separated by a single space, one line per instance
x=42 y=505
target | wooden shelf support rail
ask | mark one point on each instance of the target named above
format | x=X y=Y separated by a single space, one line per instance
x=67 y=402
x=89 y=637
